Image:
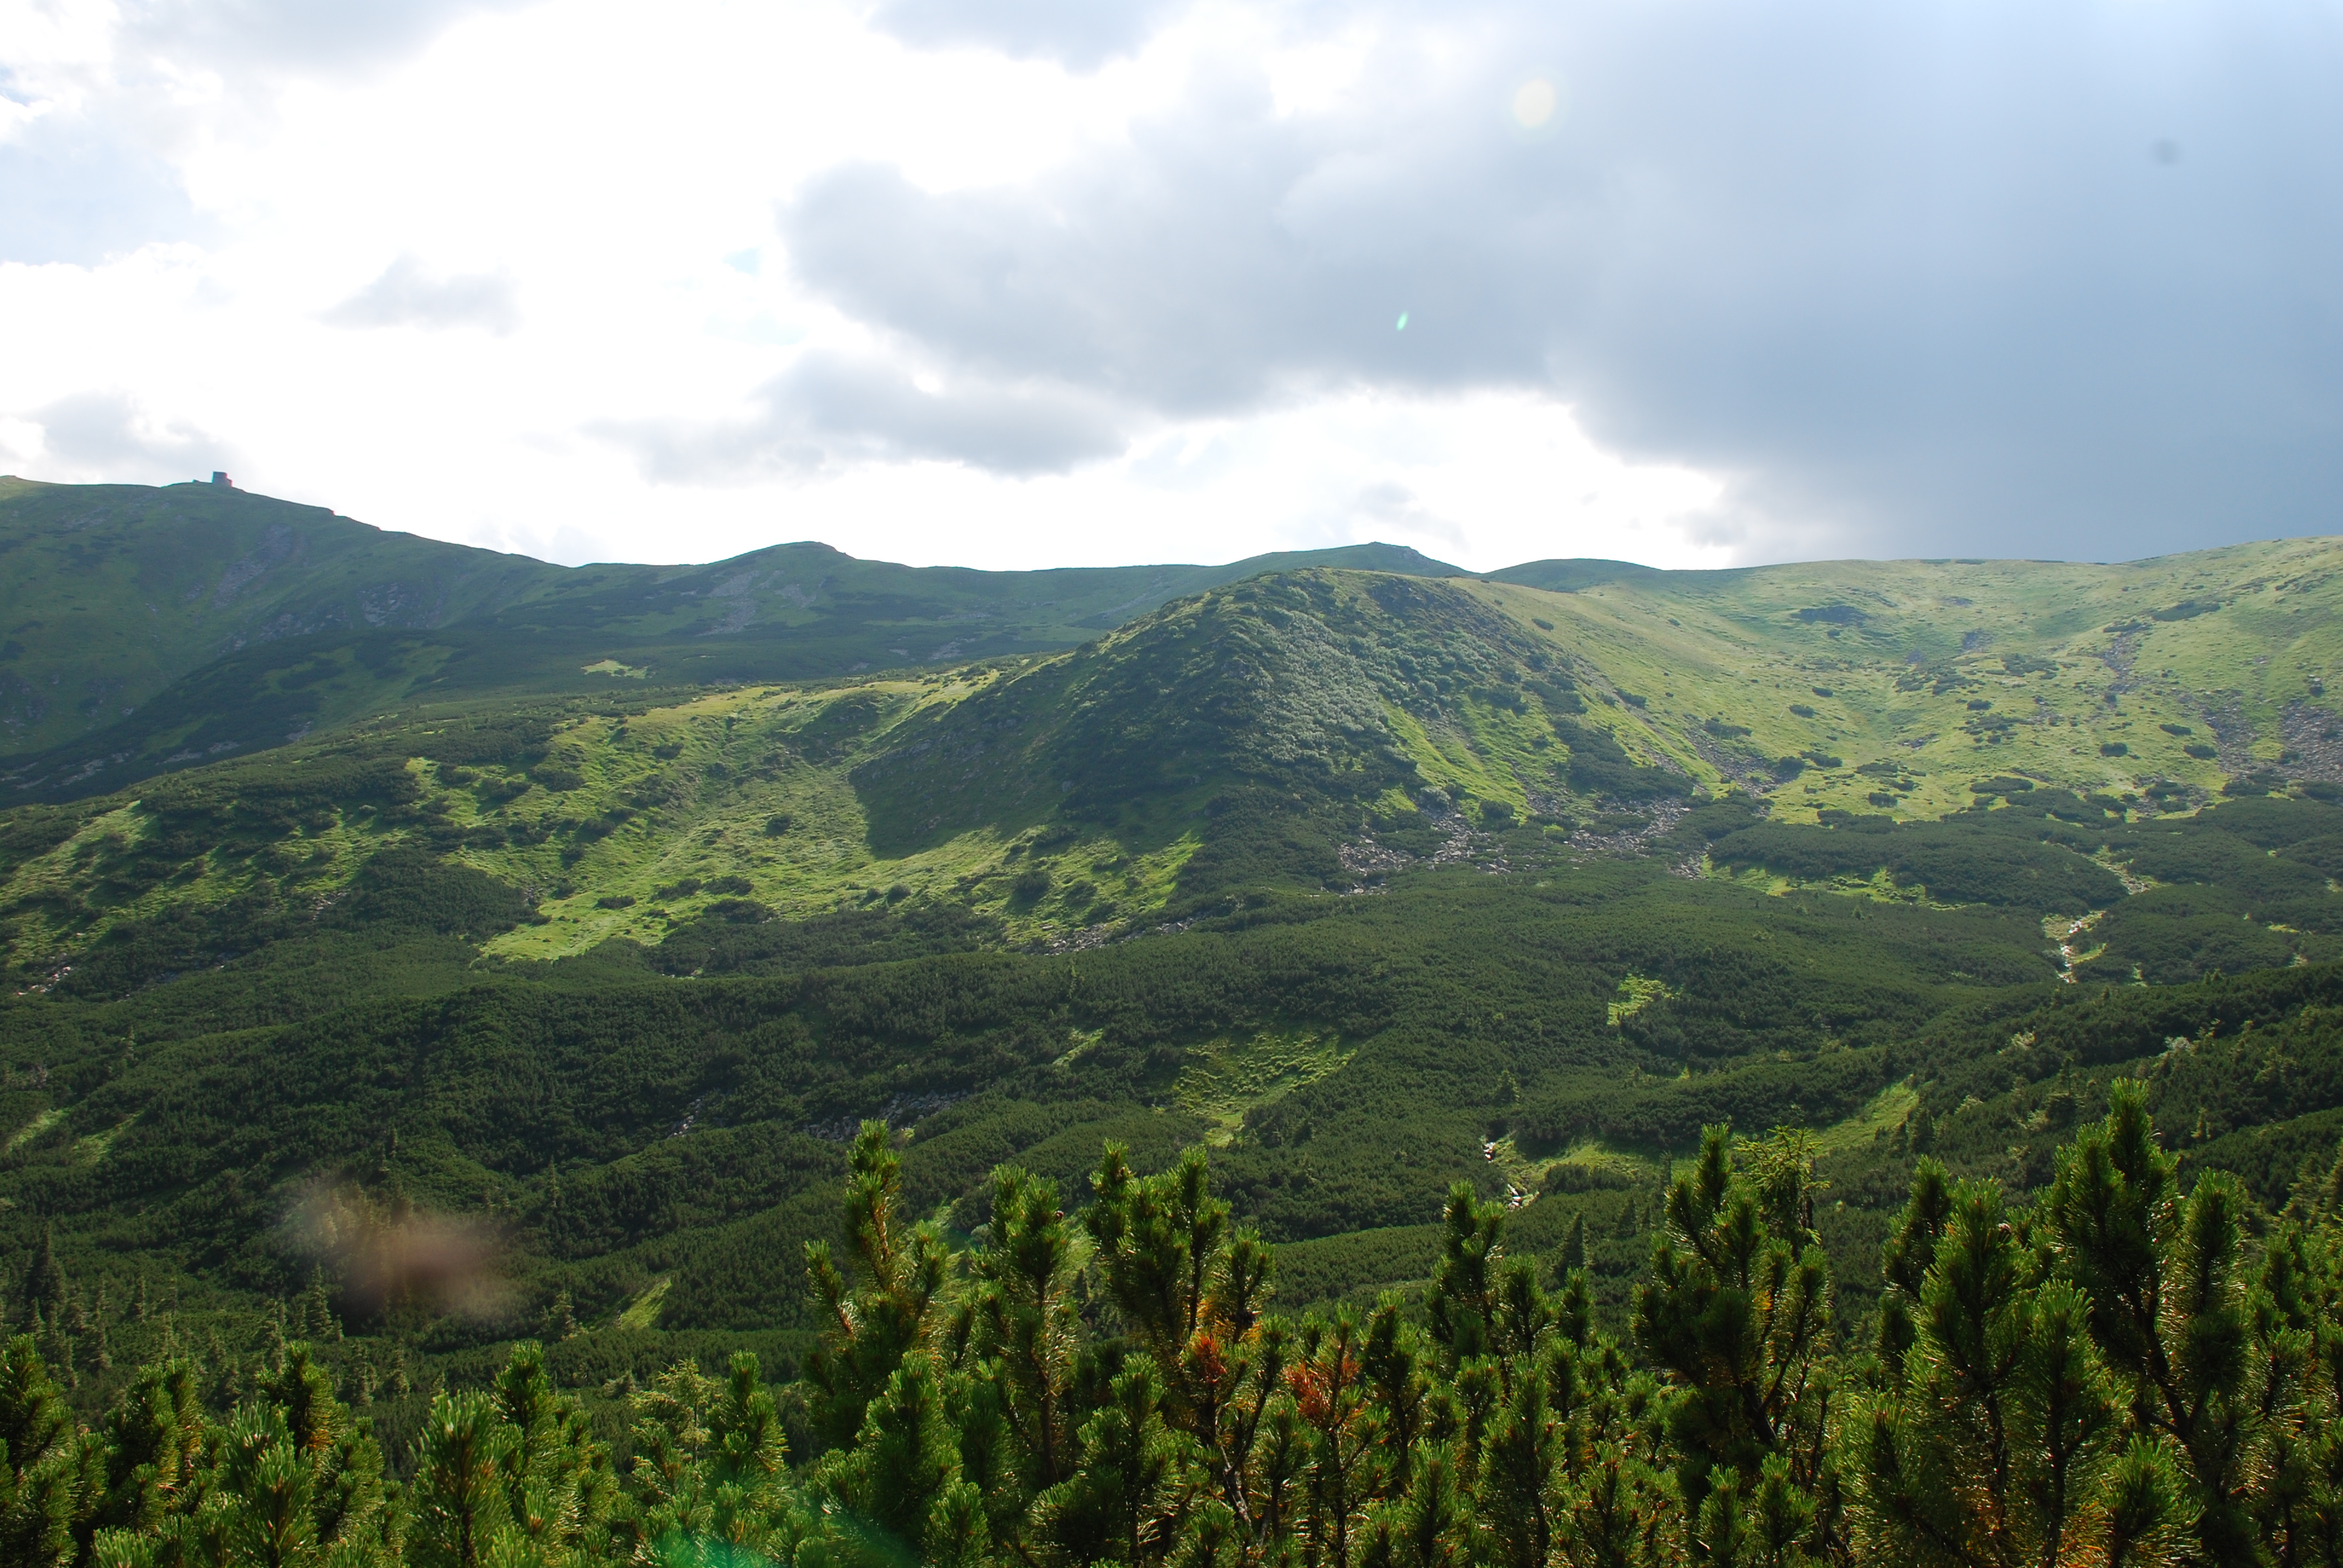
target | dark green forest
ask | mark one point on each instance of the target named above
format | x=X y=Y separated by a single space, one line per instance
x=2130 y=1368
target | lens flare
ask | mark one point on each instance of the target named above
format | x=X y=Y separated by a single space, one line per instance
x=1534 y=102
x=1403 y=322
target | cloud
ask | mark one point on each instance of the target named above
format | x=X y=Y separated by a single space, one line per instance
x=107 y=436
x=1201 y=271
x=1387 y=504
x=76 y=190
x=236 y=37
x=406 y=294
x=1923 y=273
x=103 y=105
x=832 y=410
x=1081 y=34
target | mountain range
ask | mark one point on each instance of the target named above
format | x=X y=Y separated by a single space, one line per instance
x=351 y=881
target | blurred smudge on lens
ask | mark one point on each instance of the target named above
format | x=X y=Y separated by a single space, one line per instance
x=386 y=1253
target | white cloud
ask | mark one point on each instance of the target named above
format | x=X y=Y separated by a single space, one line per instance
x=106 y=435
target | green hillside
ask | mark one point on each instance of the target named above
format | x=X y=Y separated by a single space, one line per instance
x=515 y=995
x=143 y=629
x=1321 y=730
x=1949 y=668
x=113 y=592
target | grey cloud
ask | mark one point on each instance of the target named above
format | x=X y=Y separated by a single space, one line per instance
x=241 y=37
x=1389 y=505
x=1231 y=253
x=1926 y=274
x=105 y=434
x=829 y=411
x=1081 y=34
x=408 y=295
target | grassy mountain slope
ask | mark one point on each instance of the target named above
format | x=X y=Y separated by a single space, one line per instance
x=1951 y=668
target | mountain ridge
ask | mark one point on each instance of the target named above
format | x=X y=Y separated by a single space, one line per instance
x=145 y=628
x=260 y=654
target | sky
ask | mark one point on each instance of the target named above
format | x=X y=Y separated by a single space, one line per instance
x=1026 y=283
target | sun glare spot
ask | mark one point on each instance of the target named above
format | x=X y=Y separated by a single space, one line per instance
x=1534 y=102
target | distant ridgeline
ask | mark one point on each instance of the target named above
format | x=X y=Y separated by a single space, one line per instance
x=148 y=629
x=412 y=950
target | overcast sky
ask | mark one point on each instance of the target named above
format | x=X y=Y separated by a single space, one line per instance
x=1021 y=282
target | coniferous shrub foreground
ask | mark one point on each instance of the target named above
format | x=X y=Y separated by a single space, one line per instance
x=2122 y=1373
